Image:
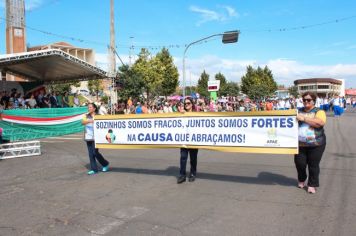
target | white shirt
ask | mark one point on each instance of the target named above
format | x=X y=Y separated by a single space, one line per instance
x=299 y=103
x=336 y=102
x=102 y=110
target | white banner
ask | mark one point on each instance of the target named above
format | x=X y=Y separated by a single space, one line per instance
x=193 y=130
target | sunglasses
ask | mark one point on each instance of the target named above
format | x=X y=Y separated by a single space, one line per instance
x=187 y=103
x=307 y=100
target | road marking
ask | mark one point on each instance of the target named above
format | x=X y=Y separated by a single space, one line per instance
x=107 y=228
x=130 y=212
x=61 y=138
x=74 y=135
x=47 y=141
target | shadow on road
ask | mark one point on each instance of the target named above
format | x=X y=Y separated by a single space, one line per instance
x=346 y=155
x=265 y=178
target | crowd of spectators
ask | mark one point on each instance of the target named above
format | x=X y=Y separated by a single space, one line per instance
x=16 y=100
x=222 y=104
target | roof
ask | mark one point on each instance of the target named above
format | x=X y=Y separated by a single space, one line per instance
x=51 y=65
x=317 y=80
x=350 y=92
x=56 y=45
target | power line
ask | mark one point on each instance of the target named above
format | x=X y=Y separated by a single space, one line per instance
x=303 y=27
x=172 y=46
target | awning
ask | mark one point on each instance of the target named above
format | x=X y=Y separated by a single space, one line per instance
x=51 y=65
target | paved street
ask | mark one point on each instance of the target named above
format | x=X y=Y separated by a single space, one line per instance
x=234 y=194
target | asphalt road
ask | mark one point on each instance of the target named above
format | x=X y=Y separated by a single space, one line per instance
x=234 y=194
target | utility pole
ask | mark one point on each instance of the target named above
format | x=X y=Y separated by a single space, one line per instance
x=112 y=60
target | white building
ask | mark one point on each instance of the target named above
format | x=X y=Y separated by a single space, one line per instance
x=323 y=87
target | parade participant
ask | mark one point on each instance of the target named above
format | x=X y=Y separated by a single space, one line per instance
x=188 y=107
x=337 y=106
x=326 y=104
x=94 y=154
x=299 y=102
x=312 y=142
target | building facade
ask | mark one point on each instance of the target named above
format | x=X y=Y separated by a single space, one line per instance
x=15 y=30
x=323 y=87
x=85 y=54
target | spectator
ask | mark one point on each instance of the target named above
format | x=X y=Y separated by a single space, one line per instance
x=31 y=102
x=65 y=100
x=102 y=109
x=76 y=102
x=53 y=100
x=40 y=98
x=138 y=108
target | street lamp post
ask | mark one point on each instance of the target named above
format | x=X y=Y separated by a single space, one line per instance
x=228 y=37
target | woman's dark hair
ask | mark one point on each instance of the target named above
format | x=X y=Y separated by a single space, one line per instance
x=312 y=95
x=191 y=101
x=95 y=107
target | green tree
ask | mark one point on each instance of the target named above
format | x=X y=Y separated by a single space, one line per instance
x=148 y=70
x=202 y=87
x=223 y=82
x=169 y=72
x=95 y=86
x=231 y=89
x=132 y=84
x=258 y=83
x=61 y=88
x=293 y=90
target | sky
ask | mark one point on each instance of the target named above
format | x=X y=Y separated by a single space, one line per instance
x=296 y=39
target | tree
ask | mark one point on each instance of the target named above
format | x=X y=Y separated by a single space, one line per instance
x=293 y=90
x=62 y=87
x=95 y=86
x=222 y=80
x=168 y=71
x=258 y=83
x=202 y=86
x=132 y=84
x=231 y=89
x=148 y=70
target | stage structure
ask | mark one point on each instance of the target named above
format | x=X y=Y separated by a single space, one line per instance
x=49 y=66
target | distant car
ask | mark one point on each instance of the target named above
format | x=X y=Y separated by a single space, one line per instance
x=83 y=91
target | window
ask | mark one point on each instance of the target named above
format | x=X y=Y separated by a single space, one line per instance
x=308 y=87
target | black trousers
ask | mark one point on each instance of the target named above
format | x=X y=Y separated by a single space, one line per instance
x=309 y=157
x=193 y=160
x=95 y=155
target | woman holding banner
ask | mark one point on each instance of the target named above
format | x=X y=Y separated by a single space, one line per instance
x=94 y=154
x=188 y=107
x=312 y=142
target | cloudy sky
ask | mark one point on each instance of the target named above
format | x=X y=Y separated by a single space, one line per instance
x=295 y=39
